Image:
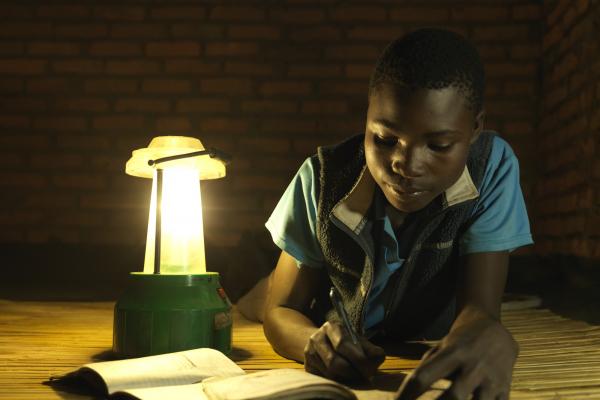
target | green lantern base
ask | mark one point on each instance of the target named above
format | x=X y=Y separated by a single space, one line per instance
x=167 y=313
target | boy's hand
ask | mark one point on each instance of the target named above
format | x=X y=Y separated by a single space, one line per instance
x=477 y=355
x=331 y=353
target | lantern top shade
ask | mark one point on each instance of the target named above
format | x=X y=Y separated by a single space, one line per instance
x=166 y=146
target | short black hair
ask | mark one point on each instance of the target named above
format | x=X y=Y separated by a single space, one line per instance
x=432 y=58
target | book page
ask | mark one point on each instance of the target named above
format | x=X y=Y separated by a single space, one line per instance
x=288 y=384
x=374 y=394
x=434 y=392
x=181 y=368
x=179 y=392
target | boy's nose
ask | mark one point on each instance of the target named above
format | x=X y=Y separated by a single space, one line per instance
x=405 y=164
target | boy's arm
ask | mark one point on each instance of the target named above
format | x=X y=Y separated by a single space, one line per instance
x=326 y=350
x=286 y=324
x=481 y=282
x=478 y=353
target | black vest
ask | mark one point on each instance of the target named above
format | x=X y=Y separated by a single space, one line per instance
x=419 y=297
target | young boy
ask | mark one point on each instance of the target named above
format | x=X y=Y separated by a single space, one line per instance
x=412 y=222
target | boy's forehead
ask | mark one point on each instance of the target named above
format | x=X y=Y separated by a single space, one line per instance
x=425 y=109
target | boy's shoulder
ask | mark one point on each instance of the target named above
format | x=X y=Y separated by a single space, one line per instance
x=500 y=151
x=502 y=166
x=501 y=154
x=501 y=147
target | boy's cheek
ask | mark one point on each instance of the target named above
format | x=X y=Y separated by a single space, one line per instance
x=377 y=162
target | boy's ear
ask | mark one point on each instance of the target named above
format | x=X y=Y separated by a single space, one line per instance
x=478 y=126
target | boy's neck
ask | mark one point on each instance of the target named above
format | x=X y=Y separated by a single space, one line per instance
x=396 y=216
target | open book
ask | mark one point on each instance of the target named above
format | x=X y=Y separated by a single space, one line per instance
x=207 y=374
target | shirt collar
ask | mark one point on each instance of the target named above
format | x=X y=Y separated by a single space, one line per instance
x=462 y=190
x=352 y=208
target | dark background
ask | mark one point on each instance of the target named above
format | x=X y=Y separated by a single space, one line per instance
x=84 y=83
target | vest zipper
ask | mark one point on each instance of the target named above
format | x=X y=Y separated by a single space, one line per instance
x=378 y=227
x=361 y=322
x=369 y=253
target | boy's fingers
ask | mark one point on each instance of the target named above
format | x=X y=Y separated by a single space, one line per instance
x=322 y=357
x=464 y=385
x=366 y=356
x=373 y=351
x=429 y=353
x=336 y=364
x=485 y=392
x=352 y=354
x=341 y=369
x=341 y=342
x=314 y=364
x=437 y=366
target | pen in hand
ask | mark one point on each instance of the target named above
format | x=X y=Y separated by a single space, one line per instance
x=339 y=308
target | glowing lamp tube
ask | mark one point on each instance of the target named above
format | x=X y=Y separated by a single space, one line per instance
x=182 y=234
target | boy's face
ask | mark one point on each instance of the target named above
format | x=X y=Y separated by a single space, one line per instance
x=416 y=143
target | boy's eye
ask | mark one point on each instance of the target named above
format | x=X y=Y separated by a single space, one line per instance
x=384 y=141
x=440 y=147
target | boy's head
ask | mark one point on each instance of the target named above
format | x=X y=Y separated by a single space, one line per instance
x=425 y=110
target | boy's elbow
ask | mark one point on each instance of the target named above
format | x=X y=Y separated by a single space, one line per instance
x=275 y=332
x=276 y=325
x=269 y=323
x=288 y=331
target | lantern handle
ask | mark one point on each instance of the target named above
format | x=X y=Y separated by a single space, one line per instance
x=211 y=152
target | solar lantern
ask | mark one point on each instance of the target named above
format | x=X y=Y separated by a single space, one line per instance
x=174 y=304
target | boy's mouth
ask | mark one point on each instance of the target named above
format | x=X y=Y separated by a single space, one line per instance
x=404 y=192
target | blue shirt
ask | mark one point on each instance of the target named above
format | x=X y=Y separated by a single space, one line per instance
x=500 y=222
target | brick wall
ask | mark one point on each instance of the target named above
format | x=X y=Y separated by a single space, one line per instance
x=82 y=84
x=567 y=195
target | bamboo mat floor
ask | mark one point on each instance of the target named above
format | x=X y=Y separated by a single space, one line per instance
x=559 y=358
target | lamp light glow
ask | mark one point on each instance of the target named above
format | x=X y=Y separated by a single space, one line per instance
x=182 y=237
